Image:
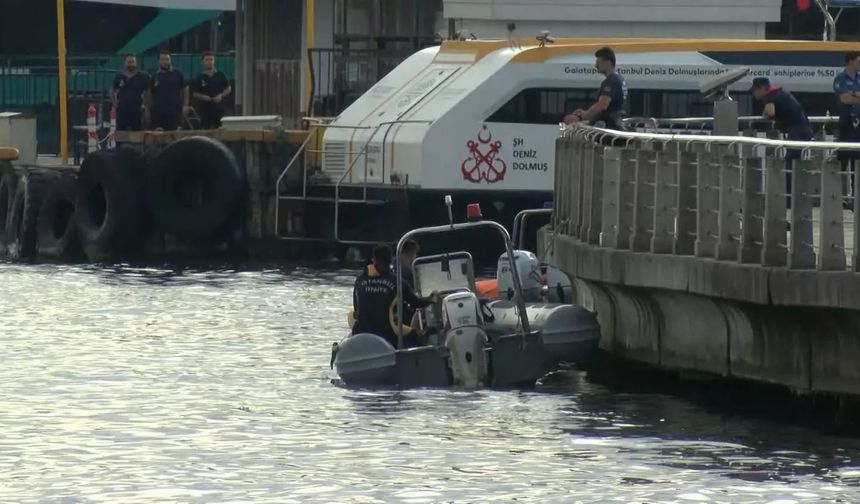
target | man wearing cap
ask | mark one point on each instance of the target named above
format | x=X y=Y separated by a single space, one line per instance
x=783 y=107
x=846 y=85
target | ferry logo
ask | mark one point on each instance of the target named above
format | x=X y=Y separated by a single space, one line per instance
x=483 y=162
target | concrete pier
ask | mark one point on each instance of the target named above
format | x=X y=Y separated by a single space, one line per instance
x=683 y=246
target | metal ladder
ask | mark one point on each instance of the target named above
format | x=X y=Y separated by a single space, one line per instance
x=336 y=199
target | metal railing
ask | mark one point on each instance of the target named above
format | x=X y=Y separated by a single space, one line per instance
x=302 y=153
x=702 y=124
x=714 y=197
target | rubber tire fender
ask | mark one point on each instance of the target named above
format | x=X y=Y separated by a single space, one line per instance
x=56 y=228
x=22 y=221
x=8 y=184
x=199 y=169
x=107 y=202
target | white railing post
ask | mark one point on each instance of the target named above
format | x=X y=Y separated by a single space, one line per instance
x=801 y=253
x=831 y=251
x=774 y=250
x=626 y=196
x=707 y=202
x=643 y=202
x=665 y=198
x=685 y=228
x=592 y=236
x=612 y=160
x=730 y=202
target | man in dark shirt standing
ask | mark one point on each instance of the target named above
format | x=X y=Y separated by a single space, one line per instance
x=129 y=87
x=846 y=85
x=612 y=97
x=209 y=89
x=783 y=107
x=168 y=95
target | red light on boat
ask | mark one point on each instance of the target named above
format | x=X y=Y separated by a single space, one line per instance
x=473 y=212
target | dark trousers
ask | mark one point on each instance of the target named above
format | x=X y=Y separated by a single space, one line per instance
x=166 y=120
x=128 y=120
x=210 y=115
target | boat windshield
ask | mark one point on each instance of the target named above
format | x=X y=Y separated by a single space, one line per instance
x=432 y=273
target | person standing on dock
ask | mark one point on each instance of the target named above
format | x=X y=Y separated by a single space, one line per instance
x=612 y=97
x=127 y=94
x=168 y=95
x=783 y=107
x=846 y=85
x=209 y=90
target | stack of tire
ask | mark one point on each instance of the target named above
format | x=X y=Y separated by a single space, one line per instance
x=190 y=190
x=37 y=214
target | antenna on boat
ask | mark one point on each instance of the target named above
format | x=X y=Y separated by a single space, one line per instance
x=511 y=40
x=449 y=202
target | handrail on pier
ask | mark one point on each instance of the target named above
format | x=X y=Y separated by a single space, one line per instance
x=711 y=197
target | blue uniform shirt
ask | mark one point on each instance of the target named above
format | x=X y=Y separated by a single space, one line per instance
x=844 y=83
x=790 y=117
x=615 y=88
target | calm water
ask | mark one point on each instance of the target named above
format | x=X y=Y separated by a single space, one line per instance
x=149 y=386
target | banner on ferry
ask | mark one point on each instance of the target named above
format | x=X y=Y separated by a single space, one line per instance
x=801 y=78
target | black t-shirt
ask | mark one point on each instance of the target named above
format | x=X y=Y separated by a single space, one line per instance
x=789 y=114
x=615 y=88
x=130 y=89
x=372 y=299
x=167 y=89
x=210 y=85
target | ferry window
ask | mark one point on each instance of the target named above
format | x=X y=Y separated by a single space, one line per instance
x=550 y=105
x=541 y=105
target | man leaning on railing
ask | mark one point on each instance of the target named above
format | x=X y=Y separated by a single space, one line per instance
x=608 y=110
x=782 y=107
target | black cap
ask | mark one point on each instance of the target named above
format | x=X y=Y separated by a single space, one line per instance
x=760 y=82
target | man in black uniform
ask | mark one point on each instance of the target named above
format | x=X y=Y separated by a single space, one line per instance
x=612 y=97
x=375 y=294
x=127 y=95
x=846 y=85
x=168 y=95
x=209 y=89
x=790 y=118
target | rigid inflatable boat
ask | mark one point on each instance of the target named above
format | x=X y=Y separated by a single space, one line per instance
x=465 y=340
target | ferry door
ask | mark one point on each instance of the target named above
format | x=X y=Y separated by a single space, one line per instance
x=368 y=144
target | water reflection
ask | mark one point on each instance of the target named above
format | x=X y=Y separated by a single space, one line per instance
x=141 y=385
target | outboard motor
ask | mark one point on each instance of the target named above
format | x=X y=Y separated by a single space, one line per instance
x=528 y=268
x=465 y=339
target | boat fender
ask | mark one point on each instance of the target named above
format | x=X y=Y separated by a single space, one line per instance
x=8 y=184
x=108 y=202
x=22 y=221
x=194 y=187
x=57 y=234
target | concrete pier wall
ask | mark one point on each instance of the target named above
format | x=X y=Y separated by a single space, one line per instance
x=723 y=285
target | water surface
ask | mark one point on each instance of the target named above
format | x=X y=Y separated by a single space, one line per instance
x=143 y=385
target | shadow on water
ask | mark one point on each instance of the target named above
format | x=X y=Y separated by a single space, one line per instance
x=215 y=276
